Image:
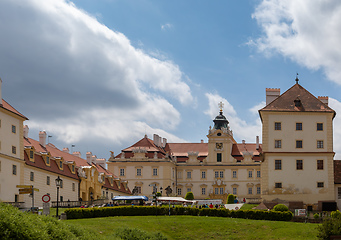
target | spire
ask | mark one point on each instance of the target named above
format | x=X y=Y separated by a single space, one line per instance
x=296 y=78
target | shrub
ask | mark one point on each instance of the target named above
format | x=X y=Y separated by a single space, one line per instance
x=231 y=198
x=280 y=208
x=15 y=224
x=336 y=214
x=189 y=196
x=329 y=227
x=316 y=216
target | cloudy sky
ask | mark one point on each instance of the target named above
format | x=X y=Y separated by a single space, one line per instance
x=101 y=74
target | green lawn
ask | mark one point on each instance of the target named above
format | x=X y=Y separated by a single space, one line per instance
x=189 y=227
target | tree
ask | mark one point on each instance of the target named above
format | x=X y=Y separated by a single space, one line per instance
x=189 y=196
x=231 y=198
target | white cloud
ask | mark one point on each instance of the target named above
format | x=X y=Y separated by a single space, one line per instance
x=306 y=31
x=83 y=79
x=241 y=129
x=166 y=26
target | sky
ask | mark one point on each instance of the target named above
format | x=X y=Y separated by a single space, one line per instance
x=100 y=75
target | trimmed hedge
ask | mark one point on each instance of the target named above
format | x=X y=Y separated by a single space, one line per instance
x=75 y=213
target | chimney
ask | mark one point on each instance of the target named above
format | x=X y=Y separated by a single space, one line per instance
x=88 y=157
x=42 y=138
x=155 y=139
x=93 y=159
x=0 y=92
x=26 y=131
x=101 y=162
x=201 y=141
x=243 y=141
x=77 y=154
x=164 y=142
x=323 y=99
x=257 y=142
x=66 y=150
x=272 y=94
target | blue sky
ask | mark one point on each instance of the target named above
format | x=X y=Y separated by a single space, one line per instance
x=101 y=74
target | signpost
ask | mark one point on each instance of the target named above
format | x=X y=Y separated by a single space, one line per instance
x=46 y=205
x=28 y=189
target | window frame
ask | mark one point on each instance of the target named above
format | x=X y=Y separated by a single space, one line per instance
x=278 y=164
x=14 y=129
x=189 y=175
x=299 y=126
x=14 y=169
x=138 y=172
x=155 y=172
x=122 y=172
x=278 y=143
x=320 y=185
x=299 y=144
x=319 y=163
x=299 y=164
x=278 y=185
x=278 y=126
x=319 y=144
x=203 y=174
x=319 y=126
x=48 y=180
x=219 y=157
x=32 y=176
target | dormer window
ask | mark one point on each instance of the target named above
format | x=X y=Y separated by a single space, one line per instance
x=61 y=165
x=31 y=154
x=297 y=102
x=73 y=168
x=47 y=160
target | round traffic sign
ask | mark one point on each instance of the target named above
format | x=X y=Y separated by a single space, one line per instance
x=46 y=198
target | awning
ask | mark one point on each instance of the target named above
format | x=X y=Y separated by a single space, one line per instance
x=117 y=198
x=174 y=199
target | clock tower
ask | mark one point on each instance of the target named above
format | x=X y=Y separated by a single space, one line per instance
x=220 y=140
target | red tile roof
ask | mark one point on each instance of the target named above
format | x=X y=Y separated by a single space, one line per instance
x=8 y=107
x=40 y=163
x=309 y=103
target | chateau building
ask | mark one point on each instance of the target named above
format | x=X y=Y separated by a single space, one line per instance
x=293 y=164
x=25 y=161
x=209 y=170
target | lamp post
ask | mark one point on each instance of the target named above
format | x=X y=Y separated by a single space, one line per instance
x=59 y=182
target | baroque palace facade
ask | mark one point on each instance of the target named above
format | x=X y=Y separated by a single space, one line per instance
x=25 y=161
x=293 y=164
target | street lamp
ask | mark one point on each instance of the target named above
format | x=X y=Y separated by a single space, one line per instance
x=59 y=182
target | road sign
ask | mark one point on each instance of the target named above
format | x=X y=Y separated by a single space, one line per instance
x=24 y=186
x=25 y=190
x=46 y=198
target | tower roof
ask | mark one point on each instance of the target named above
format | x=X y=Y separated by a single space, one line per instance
x=220 y=121
x=297 y=99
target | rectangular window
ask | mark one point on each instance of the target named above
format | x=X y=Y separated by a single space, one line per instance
x=60 y=164
x=14 y=130
x=320 y=184
x=258 y=190
x=249 y=190
x=189 y=190
x=122 y=172
x=48 y=180
x=299 y=144
x=221 y=191
x=319 y=164
x=31 y=154
x=73 y=168
x=221 y=174
x=216 y=174
x=14 y=150
x=73 y=187
x=278 y=126
x=234 y=174
x=339 y=193
x=278 y=164
x=278 y=185
x=258 y=174
x=250 y=174
x=179 y=191
x=14 y=169
x=179 y=175
x=278 y=143
x=48 y=161
x=203 y=174
x=234 y=191
x=138 y=172
x=218 y=157
x=154 y=171
x=31 y=176
x=203 y=191
x=216 y=190
x=299 y=127
x=139 y=189
x=319 y=143
x=189 y=174
x=319 y=126
x=299 y=164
